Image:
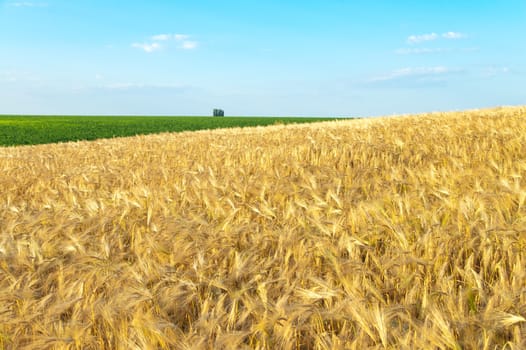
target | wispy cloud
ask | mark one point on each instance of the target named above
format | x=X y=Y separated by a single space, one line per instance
x=492 y=71
x=7 y=77
x=27 y=4
x=161 y=37
x=17 y=76
x=453 y=35
x=417 y=39
x=166 y=37
x=180 y=37
x=420 y=51
x=128 y=87
x=147 y=47
x=416 y=72
x=182 y=41
x=123 y=86
x=188 y=45
x=434 y=50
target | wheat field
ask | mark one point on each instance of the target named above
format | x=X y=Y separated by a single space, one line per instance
x=388 y=233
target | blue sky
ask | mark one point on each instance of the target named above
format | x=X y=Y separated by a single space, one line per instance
x=282 y=58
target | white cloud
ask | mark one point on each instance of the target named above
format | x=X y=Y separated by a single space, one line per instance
x=123 y=86
x=154 y=45
x=181 y=37
x=141 y=86
x=415 y=39
x=147 y=47
x=27 y=4
x=165 y=37
x=418 y=72
x=188 y=45
x=433 y=50
x=17 y=76
x=161 y=37
x=420 y=51
x=8 y=76
x=493 y=71
x=453 y=35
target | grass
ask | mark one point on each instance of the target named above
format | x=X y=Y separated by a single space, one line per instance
x=30 y=130
x=392 y=233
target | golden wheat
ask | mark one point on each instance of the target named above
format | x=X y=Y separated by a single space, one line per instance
x=390 y=233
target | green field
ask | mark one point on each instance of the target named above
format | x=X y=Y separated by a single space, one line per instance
x=31 y=130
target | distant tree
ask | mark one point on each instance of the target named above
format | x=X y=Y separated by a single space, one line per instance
x=219 y=113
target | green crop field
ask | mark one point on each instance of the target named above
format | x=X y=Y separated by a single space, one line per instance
x=30 y=130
